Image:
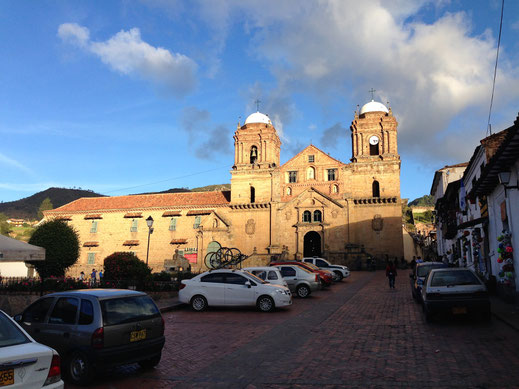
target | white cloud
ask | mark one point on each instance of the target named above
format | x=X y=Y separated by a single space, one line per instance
x=5 y=160
x=128 y=54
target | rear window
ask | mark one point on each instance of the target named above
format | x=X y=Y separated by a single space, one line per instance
x=425 y=269
x=128 y=309
x=10 y=334
x=446 y=278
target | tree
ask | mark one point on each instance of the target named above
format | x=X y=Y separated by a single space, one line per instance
x=61 y=243
x=5 y=228
x=45 y=205
x=125 y=266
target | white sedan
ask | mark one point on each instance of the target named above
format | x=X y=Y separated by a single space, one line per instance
x=226 y=287
x=25 y=363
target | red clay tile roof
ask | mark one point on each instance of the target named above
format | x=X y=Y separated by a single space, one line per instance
x=178 y=241
x=91 y=216
x=145 y=201
x=131 y=243
x=90 y=244
x=171 y=213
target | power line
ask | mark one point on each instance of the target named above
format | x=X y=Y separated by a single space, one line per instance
x=489 y=127
x=169 y=179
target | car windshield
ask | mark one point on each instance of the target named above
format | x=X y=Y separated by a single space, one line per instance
x=10 y=334
x=128 y=309
x=451 y=278
x=256 y=278
x=423 y=270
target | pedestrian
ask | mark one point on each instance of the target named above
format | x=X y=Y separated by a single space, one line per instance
x=391 y=274
x=93 y=277
x=419 y=259
x=100 y=275
x=82 y=276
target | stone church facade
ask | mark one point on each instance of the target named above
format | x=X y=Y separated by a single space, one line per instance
x=311 y=205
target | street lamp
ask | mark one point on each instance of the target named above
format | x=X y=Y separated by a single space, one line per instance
x=149 y=222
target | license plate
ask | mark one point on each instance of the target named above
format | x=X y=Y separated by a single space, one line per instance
x=7 y=377
x=137 y=335
x=459 y=310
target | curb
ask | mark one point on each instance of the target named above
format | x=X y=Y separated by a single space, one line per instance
x=505 y=320
x=172 y=307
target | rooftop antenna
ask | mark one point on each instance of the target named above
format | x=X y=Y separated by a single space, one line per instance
x=257 y=102
x=372 y=91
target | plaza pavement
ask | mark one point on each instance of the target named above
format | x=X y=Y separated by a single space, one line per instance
x=359 y=333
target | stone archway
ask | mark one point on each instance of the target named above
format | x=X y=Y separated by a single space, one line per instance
x=312 y=244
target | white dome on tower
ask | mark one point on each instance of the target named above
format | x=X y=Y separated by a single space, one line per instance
x=258 y=117
x=373 y=106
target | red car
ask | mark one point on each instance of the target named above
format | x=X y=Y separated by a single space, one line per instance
x=325 y=276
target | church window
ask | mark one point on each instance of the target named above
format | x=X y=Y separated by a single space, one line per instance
x=376 y=189
x=198 y=219
x=93 y=227
x=91 y=260
x=335 y=189
x=252 y=194
x=173 y=224
x=311 y=158
x=135 y=224
x=310 y=173
x=332 y=174
x=307 y=217
x=318 y=216
x=253 y=154
x=292 y=177
x=289 y=191
x=373 y=149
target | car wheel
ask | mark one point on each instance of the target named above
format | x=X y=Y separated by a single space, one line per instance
x=303 y=291
x=79 y=368
x=339 y=276
x=198 y=303
x=150 y=363
x=265 y=304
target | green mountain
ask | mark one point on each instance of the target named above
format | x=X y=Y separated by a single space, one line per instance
x=27 y=208
x=424 y=201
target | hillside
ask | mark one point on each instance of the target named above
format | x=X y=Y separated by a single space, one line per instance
x=27 y=208
x=424 y=201
x=210 y=188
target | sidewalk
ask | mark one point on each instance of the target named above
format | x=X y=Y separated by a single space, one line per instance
x=506 y=312
x=166 y=305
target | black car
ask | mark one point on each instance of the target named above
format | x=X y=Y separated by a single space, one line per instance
x=417 y=277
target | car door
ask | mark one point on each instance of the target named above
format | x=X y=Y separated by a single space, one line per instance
x=60 y=328
x=236 y=292
x=34 y=317
x=213 y=288
x=290 y=276
x=321 y=264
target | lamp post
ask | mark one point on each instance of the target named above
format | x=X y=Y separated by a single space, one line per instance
x=149 y=222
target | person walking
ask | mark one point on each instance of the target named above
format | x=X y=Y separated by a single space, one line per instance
x=391 y=274
x=100 y=276
x=93 y=277
x=82 y=276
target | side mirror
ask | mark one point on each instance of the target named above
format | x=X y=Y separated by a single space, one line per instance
x=17 y=318
x=248 y=284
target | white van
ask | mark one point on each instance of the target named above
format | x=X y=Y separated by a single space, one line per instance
x=269 y=274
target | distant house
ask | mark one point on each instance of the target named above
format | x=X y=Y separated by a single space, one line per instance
x=16 y=222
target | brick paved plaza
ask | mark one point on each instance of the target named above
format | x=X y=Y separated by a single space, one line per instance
x=359 y=333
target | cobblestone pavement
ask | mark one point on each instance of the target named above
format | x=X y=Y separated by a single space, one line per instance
x=359 y=334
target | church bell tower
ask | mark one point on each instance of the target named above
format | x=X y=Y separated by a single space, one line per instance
x=256 y=155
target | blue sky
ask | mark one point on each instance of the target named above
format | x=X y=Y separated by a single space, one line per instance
x=136 y=96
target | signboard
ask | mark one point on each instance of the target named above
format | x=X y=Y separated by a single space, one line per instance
x=191 y=254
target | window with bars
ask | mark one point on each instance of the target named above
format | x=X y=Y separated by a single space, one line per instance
x=318 y=216
x=292 y=177
x=198 y=219
x=307 y=217
x=135 y=224
x=91 y=259
x=332 y=174
x=173 y=224
x=93 y=227
x=311 y=158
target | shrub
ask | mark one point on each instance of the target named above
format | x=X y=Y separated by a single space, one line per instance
x=125 y=266
x=162 y=276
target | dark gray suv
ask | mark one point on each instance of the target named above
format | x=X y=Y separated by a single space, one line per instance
x=96 y=328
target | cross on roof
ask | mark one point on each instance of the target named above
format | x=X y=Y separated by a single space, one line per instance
x=257 y=102
x=372 y=91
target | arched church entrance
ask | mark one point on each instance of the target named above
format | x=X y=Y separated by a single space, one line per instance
x=312 y=244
